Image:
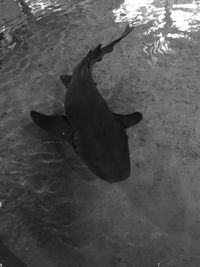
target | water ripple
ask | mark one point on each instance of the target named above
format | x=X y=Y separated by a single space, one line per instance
x=168 y=20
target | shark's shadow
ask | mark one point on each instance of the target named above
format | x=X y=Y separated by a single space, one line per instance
x=52 y=199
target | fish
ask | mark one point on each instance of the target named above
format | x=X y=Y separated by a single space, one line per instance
x=96 y=134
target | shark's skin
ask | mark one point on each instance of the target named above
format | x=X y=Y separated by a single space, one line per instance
x=97 y=135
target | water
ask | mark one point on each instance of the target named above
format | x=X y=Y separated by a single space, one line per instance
x=54 y=212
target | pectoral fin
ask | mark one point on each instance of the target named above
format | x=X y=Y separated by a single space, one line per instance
x=66 y=79
x=56 y=125
x=129 y=120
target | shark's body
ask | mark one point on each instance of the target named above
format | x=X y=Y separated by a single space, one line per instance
x=97 y=135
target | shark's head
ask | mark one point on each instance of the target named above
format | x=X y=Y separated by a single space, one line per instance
x=110 y=170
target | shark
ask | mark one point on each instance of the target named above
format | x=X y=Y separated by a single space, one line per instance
x=96 y=134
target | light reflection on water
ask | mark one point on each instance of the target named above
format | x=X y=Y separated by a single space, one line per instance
x=43 y=7
x=38 y=7
x=185 y=17
x=19 y=14
x=169 y=19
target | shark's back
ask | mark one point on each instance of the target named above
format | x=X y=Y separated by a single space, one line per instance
x=100 y=140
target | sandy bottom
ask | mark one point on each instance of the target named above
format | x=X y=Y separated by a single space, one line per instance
x=54 y=212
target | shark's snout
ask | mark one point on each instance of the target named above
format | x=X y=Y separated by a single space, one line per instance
x=113 y=176
x=111 y=172
x=119 y=175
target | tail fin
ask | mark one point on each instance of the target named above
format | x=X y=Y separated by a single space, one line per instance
x=97 y=54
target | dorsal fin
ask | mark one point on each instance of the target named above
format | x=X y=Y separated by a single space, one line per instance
x=66 y=79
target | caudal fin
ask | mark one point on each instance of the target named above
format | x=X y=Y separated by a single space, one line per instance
x=96 y=55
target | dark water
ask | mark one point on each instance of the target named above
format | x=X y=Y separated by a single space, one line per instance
x=54 y=212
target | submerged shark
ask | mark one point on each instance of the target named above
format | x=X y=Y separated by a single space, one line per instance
x=97 y=135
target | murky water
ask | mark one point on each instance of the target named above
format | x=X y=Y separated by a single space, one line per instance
x=54 y=212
